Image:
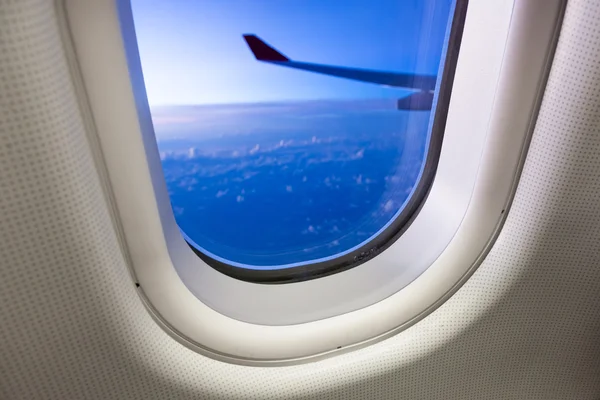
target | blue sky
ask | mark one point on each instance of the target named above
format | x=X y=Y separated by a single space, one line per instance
x=193 y=52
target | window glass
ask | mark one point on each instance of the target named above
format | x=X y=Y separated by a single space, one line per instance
x=291 y=132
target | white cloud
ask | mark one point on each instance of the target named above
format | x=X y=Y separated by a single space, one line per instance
x=255 y=149
x=221 y=193
x=359 y=154
x=387 y=207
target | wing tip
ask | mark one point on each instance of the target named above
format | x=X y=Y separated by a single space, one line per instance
x=261 y=50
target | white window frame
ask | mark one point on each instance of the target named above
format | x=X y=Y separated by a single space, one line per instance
x=504 y=57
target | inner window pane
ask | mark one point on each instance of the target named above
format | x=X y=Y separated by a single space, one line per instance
x=290 y=132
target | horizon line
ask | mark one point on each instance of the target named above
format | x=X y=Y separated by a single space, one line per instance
x=393 y=99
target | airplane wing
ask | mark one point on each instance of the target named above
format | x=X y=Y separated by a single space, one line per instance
x=424 y=85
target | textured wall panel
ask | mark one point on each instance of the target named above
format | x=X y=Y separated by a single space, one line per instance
x=526 y=325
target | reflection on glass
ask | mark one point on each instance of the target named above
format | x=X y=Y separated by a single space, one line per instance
x=290 y=131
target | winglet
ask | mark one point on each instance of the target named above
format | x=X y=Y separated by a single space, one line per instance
x=262 y=51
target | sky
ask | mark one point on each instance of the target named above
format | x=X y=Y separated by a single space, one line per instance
x=192 y=51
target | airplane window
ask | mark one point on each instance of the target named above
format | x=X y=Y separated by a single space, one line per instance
x=297 y=138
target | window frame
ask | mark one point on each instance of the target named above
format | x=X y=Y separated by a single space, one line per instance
x=500 y=75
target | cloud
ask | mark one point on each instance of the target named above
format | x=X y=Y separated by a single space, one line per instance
x=255 y=149
x=310 y=229
x=221 y=193
x=387 y=207
x=239 y=199
x=358 y=155
x=288 y=189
